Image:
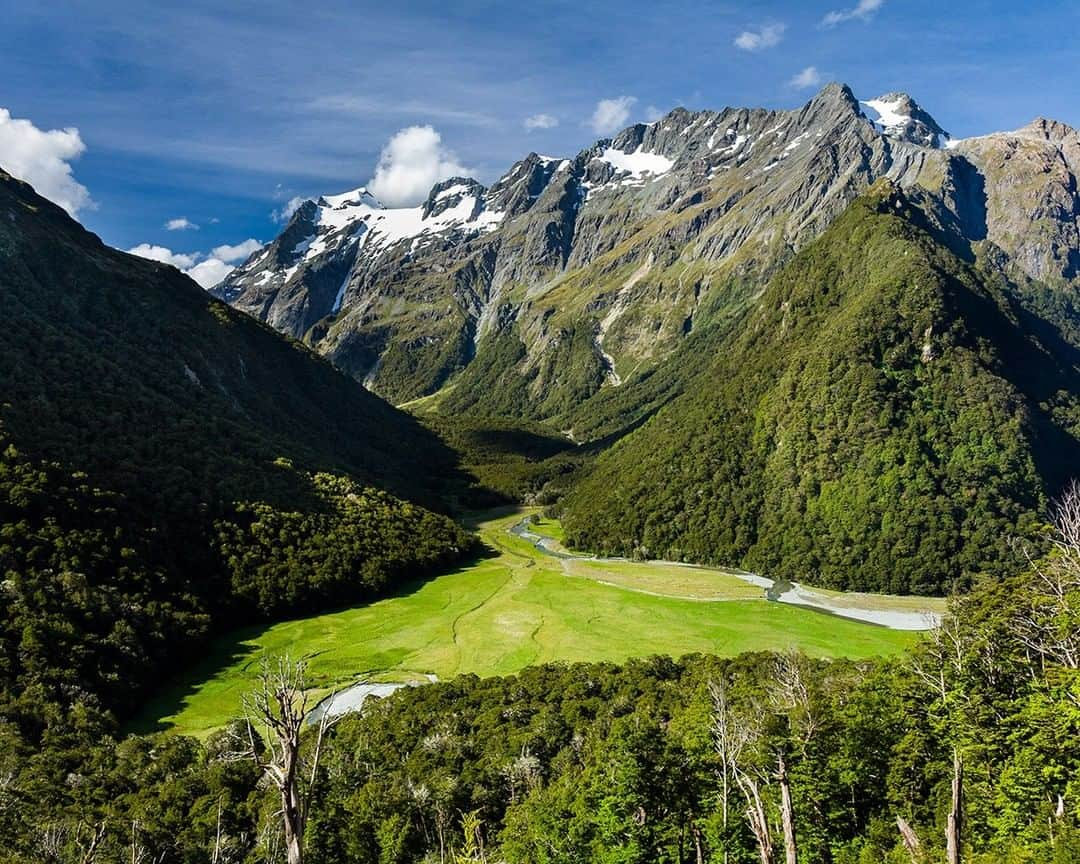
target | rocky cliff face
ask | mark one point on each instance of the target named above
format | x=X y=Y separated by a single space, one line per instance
x=1027 y=180
x=569 y=277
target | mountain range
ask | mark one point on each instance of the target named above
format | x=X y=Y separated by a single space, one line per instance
x=764 y=309
x=570 y=276
x=832 y=345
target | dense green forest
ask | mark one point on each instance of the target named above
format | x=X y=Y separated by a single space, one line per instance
x=169 y=466
x=656 y=761
x=878 y=421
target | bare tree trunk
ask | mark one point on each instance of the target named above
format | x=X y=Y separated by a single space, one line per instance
x=215 y=858
x=730 y=737
x=699 y=852
x=787 y=811
x=89 y=851
x=293 y=823
x=755 y=815
x=911 y=840
x=954 y=825
x=281 y=706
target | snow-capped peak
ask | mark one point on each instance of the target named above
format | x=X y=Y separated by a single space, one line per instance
x=356 y=197
x=899 y=116
x=354 y=223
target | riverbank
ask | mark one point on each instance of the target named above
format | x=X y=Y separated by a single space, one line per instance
x=515 y=608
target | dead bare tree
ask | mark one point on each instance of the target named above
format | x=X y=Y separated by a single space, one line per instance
x=733 y=735
x=88 y=848
x=729 y=740
x=911 y=840
x=755 y=814
x=787 y=810
x=1049 y=625
x=943 y=669
x=51 y=841
x=139 y=854
x=280 y=705
x=791 y=696
x=225 y=848
x=60 y=842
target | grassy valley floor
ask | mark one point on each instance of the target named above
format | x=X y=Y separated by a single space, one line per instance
x=516 y=608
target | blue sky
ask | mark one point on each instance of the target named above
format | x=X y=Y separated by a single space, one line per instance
x=219 y=113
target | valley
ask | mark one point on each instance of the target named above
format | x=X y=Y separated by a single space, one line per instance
x=513 y=608
x=710 y=485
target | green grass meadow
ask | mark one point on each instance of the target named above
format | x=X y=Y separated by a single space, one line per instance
x=502 y=613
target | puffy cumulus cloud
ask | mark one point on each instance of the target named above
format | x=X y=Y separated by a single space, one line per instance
x=611 y=115
x=166 y=256
x=205 y=269
x=239 y=252
x=862 y=10
x=181 y=224
x=42 y=158
x=411 y=163
x=209 y=272
x=540 y=121
x=809 y=77
x=285 y=211
x=757 y=40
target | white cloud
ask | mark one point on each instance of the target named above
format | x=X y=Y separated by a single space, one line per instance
x=809 y=77
x=41 y=159
x=165 y=256
x=239 y=252
x=181 y=224
x=862 y=10
x=209 y=272
x=540 y=121
x=766 y=37
x=411 y=163
x=285 y=212
x=611 y=115
x=652 y=114
x=205 y=269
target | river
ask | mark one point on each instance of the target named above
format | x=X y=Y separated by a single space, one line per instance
x=858 y=607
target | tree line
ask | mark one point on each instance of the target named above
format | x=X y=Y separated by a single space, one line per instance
x=967 y=750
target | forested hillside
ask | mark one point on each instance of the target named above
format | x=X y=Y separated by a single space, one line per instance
x=884 y=418
x=168 y=464
x=697 y=760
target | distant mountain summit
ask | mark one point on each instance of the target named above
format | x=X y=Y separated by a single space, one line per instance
x=568 y=278
x=307 y=268
x=899 y=116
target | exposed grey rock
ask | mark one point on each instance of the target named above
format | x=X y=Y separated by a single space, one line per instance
x=899 y=116
x=579 y=272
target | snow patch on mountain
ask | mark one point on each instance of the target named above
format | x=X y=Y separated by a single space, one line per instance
x=357 y=216
x=888 y=115
x=637 y=164
x=899 y=116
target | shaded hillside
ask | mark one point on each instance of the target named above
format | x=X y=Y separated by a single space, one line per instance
x=167 y=461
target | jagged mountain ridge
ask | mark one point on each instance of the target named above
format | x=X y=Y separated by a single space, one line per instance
x=568 y=277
